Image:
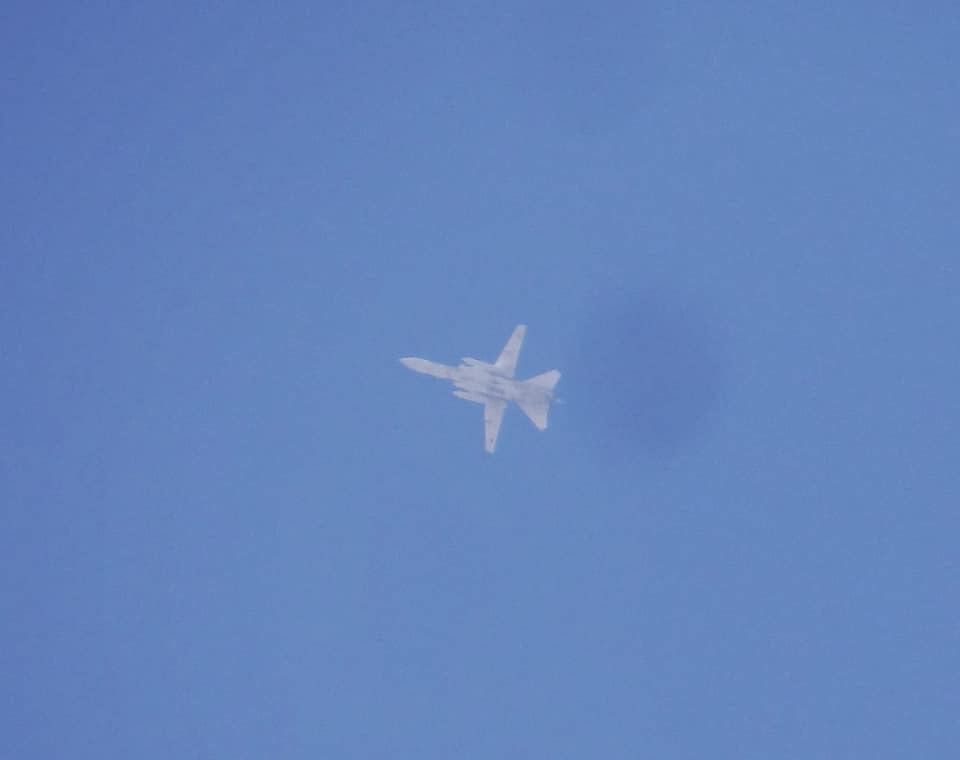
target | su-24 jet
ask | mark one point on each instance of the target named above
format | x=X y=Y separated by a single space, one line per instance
x=493 y=385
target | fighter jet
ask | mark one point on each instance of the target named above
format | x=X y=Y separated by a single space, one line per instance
x=493 y=386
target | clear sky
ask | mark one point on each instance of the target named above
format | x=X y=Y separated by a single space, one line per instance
x=232 y=525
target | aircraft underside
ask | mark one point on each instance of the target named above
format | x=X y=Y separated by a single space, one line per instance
x=493 y=386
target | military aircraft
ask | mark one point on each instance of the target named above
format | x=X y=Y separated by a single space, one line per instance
x=493 y=385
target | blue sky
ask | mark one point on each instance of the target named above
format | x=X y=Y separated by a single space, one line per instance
x=234 y=526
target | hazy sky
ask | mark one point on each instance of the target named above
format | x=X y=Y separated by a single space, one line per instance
x=234 y=526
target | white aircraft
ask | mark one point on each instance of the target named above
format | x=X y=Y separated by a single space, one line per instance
x=493 y=385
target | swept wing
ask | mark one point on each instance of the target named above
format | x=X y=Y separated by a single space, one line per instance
x=507 y=361
x=492 y=417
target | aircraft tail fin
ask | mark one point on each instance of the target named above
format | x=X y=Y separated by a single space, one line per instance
x=546 y=381
x=536 y=411
x=538 y=406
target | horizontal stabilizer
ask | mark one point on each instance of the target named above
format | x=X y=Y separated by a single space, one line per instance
x=546 y=381
x=536 y=405
x=536 y=410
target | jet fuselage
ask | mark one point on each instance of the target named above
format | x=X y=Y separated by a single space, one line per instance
x=480 y=381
